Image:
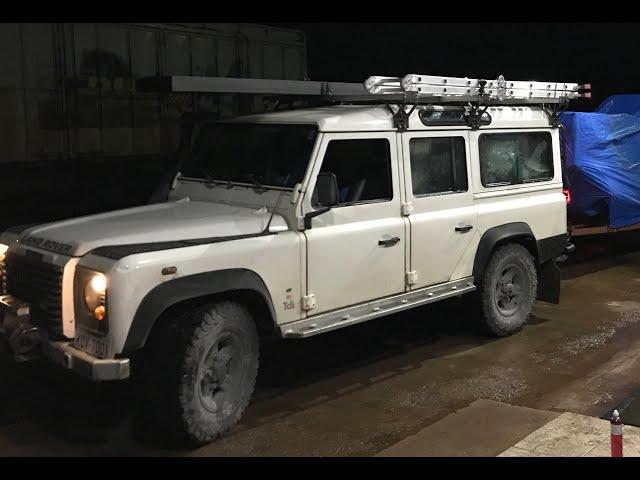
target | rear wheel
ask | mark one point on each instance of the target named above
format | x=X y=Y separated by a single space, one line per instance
x=508 y=289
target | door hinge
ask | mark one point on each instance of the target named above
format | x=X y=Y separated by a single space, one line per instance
x=309 y=302
x=407 y=208
x=412 y=277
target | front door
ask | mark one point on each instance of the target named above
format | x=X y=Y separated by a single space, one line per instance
x=443 y=221
x=356 y=250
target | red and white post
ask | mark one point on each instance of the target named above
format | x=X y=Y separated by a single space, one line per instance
x=616 y=435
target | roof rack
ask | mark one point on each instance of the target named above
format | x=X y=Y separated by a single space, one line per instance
x=474 y=96
x=255 y=86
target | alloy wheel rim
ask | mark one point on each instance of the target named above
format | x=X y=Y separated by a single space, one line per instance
x=219 y=374
x=509 y=290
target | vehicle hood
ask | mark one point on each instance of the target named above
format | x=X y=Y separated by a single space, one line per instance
x=163 y=222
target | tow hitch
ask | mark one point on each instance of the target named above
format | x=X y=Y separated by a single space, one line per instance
x=568 y=250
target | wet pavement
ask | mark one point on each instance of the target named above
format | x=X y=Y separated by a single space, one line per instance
x=360 y=390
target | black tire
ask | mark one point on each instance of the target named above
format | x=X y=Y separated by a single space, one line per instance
x=508 y=289
x=200 y=372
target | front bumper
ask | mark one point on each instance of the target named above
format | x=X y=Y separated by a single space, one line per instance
x=27 y=343
x=96 y=369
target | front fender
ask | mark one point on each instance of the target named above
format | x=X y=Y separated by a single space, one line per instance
x=189 y=287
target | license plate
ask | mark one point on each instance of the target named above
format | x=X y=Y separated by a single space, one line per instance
x=91 y=345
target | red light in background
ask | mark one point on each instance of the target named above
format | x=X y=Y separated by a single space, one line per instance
x=567 y=194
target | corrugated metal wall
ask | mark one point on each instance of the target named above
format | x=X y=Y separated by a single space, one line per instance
x=75 y=136
x=67 y=90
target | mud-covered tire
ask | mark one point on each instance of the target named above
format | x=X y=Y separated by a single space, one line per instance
x=201 y=372
x=508 y=289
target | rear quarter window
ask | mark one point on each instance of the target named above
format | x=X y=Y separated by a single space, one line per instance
x=515 y=158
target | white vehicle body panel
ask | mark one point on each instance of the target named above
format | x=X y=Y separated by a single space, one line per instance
x=350 y=118
x=164 y=222
x=275 y=258
x=345 y=263
x=541 y=205
x=437 y=250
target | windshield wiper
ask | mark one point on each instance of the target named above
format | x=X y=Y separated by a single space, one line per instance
x=251 y=178
x=258 y=187
x=208 y=177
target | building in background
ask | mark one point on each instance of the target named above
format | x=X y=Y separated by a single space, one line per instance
x=76 y=137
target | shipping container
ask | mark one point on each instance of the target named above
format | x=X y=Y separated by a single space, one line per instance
x=68 y=90
x=76 y=137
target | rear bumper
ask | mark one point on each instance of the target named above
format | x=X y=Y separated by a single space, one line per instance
x=26 y=342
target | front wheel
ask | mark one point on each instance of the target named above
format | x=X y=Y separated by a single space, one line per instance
x=508 y=289
x=204 y=370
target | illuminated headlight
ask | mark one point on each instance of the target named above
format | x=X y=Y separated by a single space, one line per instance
x=3 y=250
x=91 y=300
x=94 y=295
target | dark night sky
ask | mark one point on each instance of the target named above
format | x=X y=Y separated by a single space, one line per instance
x=606 y=55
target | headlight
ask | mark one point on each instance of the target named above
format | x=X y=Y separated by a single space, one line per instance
x=94 y=295
x=90 y=300
x=3 y=250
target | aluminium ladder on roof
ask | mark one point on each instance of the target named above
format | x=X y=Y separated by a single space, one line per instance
x=411 y=89
x=499 y=89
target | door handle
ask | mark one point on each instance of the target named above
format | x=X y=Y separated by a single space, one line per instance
x=464 y=228
x=388 y=243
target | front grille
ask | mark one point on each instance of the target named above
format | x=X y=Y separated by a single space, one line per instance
x=29 y=278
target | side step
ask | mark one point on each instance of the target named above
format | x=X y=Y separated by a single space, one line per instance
x=344 y=317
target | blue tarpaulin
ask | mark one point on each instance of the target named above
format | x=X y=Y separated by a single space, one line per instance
x=602 y=160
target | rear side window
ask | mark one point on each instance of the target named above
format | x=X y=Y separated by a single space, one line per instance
x=513 y=158
x=438 y=165
x=362 y=168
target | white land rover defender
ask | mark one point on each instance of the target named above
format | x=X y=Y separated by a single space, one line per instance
x=293 y=224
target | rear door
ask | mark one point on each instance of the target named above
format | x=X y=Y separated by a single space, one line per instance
x=443 y=222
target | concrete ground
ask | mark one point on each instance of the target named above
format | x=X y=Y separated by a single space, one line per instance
x=514 y=431
x=573 y=435
x=367 y=388
x=464 y=433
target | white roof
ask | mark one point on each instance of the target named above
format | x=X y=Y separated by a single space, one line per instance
x=354 y=118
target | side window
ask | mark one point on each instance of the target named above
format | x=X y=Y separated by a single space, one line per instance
x=513 y=158
x=438 y=165
x=362 y=168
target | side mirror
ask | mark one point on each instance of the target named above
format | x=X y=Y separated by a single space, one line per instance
x=325 y=196
x=327 y=189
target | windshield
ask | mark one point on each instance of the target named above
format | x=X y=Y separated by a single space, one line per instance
x=270 y=155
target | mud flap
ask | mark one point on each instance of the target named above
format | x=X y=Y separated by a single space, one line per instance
x=549 y=282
